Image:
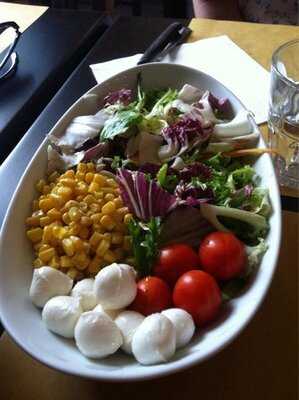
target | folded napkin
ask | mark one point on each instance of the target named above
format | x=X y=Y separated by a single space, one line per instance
x=219 y=57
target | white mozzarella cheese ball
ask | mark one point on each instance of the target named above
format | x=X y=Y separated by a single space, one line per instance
x=154 y=340
x=46 y=283
x=183 y=325
x=115 y=286
x=111 y=313
x=84 y=291
x=61 y=314
x=96 y=335
x=128 y=322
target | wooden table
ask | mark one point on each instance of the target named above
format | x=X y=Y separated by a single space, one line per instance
x=260 y=364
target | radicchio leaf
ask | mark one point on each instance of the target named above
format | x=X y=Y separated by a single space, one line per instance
x=144 y=198
x=184 y=135
x=219 y=104
x=193 y=196
x=196 y=169
x=124 y=96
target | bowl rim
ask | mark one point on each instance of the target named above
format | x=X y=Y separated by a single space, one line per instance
x=158 y=370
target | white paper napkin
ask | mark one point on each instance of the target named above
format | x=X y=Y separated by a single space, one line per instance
x=219 y=57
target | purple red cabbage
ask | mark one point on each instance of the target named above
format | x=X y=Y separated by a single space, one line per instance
x=124 y=96
x=97 y=151
x=197 y=169
x=144 y=198
x=186 y=130
x=149 y=168
x=220 y=104
x=193 y=196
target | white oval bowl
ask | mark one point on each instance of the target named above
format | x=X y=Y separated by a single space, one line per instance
x=23 y=321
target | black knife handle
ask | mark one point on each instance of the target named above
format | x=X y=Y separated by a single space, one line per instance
x=170 y=34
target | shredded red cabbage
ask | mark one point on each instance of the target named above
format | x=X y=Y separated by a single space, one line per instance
x=186 y=130
x=193 y=196
x=196 y=169
x=124 y=96
x=97 y=151
x=143 y=197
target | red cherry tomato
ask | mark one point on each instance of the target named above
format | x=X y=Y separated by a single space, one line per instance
x=222 y=255
x=153 y=295
x=174 y=261
x=198 y=293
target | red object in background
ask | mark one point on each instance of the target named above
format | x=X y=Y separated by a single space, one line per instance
x=173 y=261
x=153 y=295
x=198 y=293
x=222 y=255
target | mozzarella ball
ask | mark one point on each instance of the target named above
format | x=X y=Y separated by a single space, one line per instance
x=61 y=314
x=128 y=322
x=183 y=325
x=111 y=313
x=154 y=340
x=46 y=283
x=115 y=286
x=84 y=291
x=96 y=335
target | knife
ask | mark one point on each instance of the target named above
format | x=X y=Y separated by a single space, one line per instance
x=174 y=34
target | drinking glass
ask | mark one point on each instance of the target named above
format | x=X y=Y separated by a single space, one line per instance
x=283 y=119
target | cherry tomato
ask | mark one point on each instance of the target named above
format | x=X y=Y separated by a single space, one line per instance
x=174 y=261
x=198 y=293
x=153 y=295
x=222 y=255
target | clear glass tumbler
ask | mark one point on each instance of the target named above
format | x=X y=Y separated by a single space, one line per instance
x=284 y=113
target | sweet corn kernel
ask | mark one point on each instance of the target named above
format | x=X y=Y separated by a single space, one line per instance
x=69 y=204
x=41 y=247
x=68 y=246
x=70 y=173
x=47 y=255
x=80 y=176
x=117 y=238
x=47 y=234
x=68 y=182
x=46 y=189
x=90 y=167
x=45 y=221
x=109 y=208
x=102 y=247
x=99 y=179
x=107 y=189
x=127 y=218
x=109 y=197
x=55 y=262
x=72 y=273
x=95 y=239
x=32 y=221
x=95 y=265
x=46 y=204
x=84 y=233
x=59 y=232
x=40 y=185
x=81 y=189
x=108 y=222
x=89 y=199
x=35 y=234
x=80 y=260
x=54 y=214
x=111 y=182
x=65 y=192
x=85 y=221
x=66 y=218
x=93 y=187
x=107 y=236
x=89 y=177
x=98 y=195
x=37 y=263
x=117 y=201
x=75 y=214
x=109 y=256
x=121 y=212
x=83 y=206
x=81 y=167
x=78 y=243
x=96 y=218
x=127 y=243
x=66 y=262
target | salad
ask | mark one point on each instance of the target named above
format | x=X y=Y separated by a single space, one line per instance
x=151 y=217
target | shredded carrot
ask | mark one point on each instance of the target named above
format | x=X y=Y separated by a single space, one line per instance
x=249 y=152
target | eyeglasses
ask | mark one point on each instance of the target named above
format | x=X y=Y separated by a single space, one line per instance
x=8 y=57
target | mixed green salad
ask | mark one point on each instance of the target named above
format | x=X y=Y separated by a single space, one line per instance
x=183 y=161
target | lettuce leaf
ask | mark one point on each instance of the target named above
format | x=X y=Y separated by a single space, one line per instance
x=119 y=123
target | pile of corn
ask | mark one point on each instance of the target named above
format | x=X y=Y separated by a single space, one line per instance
x=79 y=222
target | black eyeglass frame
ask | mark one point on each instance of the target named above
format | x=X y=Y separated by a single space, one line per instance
x=10 y=53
